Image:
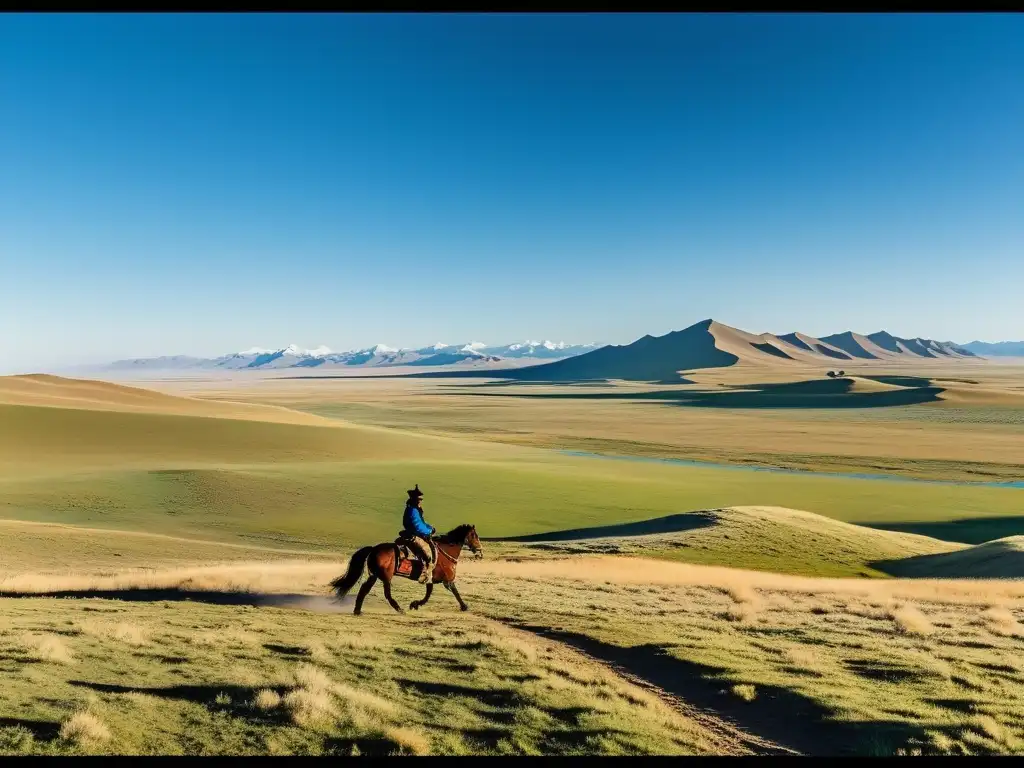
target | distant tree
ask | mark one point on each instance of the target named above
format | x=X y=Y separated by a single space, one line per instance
x=831 y=374
x=841 y=373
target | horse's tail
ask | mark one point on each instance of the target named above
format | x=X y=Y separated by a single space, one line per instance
x=345 y=582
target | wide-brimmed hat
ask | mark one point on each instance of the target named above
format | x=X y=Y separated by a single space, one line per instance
x=415 y=493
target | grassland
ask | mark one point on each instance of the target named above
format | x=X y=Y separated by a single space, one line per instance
x=970 y=433
x=336 y=484
x=578 y=654
x=629 y=607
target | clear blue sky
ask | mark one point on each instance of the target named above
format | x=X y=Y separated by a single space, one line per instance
x=202 y=184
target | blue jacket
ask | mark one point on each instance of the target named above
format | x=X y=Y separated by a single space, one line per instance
x=413 y=521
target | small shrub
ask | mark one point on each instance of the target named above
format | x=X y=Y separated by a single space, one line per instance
x=84 y=729
x=744 y=691
x=266 y=700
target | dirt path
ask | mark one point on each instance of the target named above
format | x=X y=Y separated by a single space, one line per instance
x=777 y=722
x=730 y=738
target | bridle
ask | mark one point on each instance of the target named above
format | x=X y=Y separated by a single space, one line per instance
x=478 y=552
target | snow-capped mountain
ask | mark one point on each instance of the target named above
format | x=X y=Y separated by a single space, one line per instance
x=473 y=353
x=547 y=350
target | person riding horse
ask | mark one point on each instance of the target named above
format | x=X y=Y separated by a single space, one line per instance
x=417 y=533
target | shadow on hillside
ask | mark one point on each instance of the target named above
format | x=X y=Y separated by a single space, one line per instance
x=975 y=530
x=316 y=603
x=815 y=393
x=790 y=720
x=42 y=730
x=947 y=566
x=668 y=524
x=992 y=560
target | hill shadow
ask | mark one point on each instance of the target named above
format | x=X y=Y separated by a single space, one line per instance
x=41 y=730
x=253 y=599
x=977 y=530
x=904 y=381
x=794 y=722
x=995 y=560
x=814 y=393
x=668 y=524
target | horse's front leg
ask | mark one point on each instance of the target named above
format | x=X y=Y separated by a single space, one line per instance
x=450 y=586
x=416 y=604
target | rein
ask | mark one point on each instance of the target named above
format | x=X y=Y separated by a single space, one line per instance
x=441 y=551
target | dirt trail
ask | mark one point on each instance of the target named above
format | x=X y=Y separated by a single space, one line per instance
x=729 y=737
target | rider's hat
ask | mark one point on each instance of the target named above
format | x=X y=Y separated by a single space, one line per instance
x=415 y=493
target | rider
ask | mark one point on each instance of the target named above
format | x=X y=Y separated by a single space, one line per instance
x=418 y=532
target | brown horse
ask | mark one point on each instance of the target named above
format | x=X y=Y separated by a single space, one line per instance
x=385 y=561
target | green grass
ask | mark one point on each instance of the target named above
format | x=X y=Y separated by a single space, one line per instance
x=764 y=539
x=734 y=443
x=337 y=505
x=800 y=665
x=836 y=673
x=331 y=489
x=175 y=678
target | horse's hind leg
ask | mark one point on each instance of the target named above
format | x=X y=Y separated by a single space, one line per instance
x=363 y=592
x=450 y=586
x=415 y=604
x=387 y=594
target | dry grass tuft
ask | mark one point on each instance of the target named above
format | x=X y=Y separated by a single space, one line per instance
x=909 y=620
x=125 y=632
x=84 y=729
x=742 y=613
x=266 y=700
x=358 y=642
x=48 y=647
x=989 y=727
x=744 y=691
x=310 y=708
x=410 y=739
x=1000 y=621
x=319 y=652
x=313 y=678
x=364 y=699
x=311 y=703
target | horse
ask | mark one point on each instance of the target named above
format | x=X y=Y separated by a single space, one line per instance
x=385 y=561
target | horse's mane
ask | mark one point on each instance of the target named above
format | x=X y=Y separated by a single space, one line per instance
x=458 y=535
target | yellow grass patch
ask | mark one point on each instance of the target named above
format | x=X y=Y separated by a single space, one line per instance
x=744 y=691
x=266 y=699
x=1000 y=621
x=911 y=621
x=48 y=647
x=410 y=739
x=84 y=729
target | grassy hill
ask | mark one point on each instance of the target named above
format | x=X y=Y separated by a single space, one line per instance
x=324 y=487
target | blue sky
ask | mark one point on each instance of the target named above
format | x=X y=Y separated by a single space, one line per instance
x=202 y=184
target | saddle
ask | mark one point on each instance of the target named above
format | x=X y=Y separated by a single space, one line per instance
x=407 y=552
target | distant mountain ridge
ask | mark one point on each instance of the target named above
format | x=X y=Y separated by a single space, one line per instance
x=996 y=349
x=380 y=355
x=710 y=344
x=707 y=344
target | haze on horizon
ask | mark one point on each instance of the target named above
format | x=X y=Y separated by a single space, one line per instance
x=201 y=184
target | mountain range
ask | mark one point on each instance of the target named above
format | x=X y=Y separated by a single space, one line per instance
x=707 y=344
x=472 y=354
x=710 y=344
x=997 y=349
